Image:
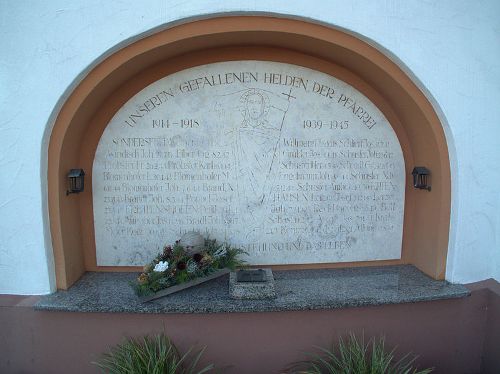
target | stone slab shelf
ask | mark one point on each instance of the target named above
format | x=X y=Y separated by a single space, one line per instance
x=295 y=289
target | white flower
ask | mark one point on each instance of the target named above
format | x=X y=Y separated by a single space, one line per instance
x=161 y=266
x=221 y=252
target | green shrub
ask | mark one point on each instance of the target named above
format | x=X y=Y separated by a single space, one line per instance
x=355 y=357
x=150 y=355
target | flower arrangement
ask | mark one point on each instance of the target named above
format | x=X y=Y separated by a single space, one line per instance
x=182 y=263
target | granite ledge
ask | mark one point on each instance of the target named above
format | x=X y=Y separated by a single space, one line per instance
x=295 y=289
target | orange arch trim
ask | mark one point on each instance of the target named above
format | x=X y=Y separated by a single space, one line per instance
x=112 y=82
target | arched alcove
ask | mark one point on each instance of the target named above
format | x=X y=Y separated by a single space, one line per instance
x=112 y=82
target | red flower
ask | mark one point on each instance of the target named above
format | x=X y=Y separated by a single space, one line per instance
x=181 y=265
x=197 y=257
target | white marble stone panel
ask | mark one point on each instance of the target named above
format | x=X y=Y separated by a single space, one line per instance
x=292 y=164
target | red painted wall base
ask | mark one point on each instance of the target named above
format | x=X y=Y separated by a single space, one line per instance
x=454 y=336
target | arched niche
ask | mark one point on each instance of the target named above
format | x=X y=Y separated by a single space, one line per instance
x=83 y=117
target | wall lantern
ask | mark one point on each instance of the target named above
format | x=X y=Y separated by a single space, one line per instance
x=421 y=178
x=75 y=178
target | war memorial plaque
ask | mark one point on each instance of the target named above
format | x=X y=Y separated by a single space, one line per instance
x=292 y=164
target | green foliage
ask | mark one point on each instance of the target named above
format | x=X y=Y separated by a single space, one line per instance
x=150 y=355
x=181 y=276
x=184 y=267
x=355 y=357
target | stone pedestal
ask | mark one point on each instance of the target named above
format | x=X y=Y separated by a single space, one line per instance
x=252 y=290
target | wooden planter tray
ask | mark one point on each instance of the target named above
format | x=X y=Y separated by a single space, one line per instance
x=183 y=286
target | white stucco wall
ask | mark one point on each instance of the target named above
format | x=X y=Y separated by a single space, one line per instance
x=451 y=47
